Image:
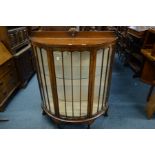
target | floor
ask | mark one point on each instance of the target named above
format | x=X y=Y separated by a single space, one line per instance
x=126 y=106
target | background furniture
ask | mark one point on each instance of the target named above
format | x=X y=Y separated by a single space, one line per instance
x=148 y=72
x=55 y=28
x=25 y=64
x=17 y=64
x=148 y=52
x=148 y=76
x=74 y=73
x=8 y=75
x=134 y=44
x=21 y=50
x=130 y=42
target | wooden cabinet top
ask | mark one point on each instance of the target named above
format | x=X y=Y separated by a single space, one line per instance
x=4 y=54
x=60 y=38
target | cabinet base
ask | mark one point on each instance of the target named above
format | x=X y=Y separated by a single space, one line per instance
x=88 y=121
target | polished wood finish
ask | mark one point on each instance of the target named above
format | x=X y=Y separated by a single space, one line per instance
x=6 y=67
x=53 y=81
x=148 y=76
x=148 y=72
x=5 y=54
x=49 y=38
x=4 y=37
x=149 y=38
x=150 y=107
x=16 y=61
x=8 y=76
x=92 y=69
x=81 y=42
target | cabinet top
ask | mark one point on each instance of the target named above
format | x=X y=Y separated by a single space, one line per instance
x=82 y=39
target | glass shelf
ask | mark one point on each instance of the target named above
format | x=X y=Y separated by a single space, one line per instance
x=76 y=73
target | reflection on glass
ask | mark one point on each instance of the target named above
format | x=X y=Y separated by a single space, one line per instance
x=73 y=90
x=44 y=71
x=72 y=78
x=101 y=79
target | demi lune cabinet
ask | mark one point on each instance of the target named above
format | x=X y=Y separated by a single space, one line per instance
x=74 y=73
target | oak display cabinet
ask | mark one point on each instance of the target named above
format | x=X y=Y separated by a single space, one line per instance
x=74 y=73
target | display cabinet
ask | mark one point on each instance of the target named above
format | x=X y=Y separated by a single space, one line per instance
x=74 y=73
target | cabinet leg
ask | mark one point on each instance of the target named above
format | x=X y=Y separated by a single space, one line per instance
x=106 y=113
x=43 y=112
x=88 y=127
